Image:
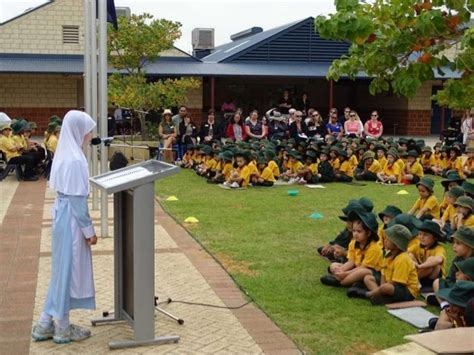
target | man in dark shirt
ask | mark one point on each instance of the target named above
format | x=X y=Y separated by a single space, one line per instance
x=285 y=103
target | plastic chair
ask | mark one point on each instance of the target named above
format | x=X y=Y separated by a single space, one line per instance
x=174 y=148
x=9 y=168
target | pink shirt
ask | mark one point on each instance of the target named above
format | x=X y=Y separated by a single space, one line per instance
x=352 y=127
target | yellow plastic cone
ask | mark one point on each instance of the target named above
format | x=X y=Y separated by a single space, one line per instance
x=191 y=220
x=402 y=192
x=172 y=198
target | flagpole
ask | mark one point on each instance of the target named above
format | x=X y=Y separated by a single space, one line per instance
x=103 y=110
x=87 y=69
x=95 y=202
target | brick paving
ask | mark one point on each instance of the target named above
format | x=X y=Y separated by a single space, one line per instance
x=183 y=271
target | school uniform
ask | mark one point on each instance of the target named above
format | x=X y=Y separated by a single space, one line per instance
x=353 y=161
x=335 y=163
x=450 y=279
x=294 y=167
x=267 y=176
x=227 y=170
x=381 y=235
x=468 y=222
x=422 y=254
x=448 y=217
x=371 y=173
x=413 y=245
x=401 y=272
x=8 y=147
x=326 y=171
x=369 y=257
x=244 y=173
x=346 y=172
x=51 y=143
x=416 y=170
x=400 y=163
x=274 y=168
x=469 y=165
x=455 y=164
x=253 y=168
x=382 y=161
x=431 y=203
x=427 y=163
x=392 y=170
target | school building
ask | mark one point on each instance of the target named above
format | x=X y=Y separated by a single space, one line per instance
x=41 y=67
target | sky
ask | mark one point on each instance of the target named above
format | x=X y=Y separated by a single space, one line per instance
x=226 y=16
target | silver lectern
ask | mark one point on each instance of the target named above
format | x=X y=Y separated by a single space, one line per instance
x=134 y=248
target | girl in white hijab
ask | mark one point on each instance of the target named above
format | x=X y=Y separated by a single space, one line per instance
x=72 y=283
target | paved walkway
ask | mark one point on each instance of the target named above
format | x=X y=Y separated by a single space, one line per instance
x=183 y=271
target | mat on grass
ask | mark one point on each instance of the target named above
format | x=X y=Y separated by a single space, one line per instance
x=416 y=316
x=447 y=341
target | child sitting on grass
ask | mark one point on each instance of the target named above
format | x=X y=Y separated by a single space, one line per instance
x=391 y=171
x=308 y=173
x=458 y=297
x=399 y=281
x=386 y=216
x=450 y=211
x=325 y=170
x=225 y=168
x=270 y=156
x=427 y=202
x=364 y=256
x=463 y=247
x=429 y=257
x=240 y=177
x=293 y=166
x=345 y=173
x=468 y=165
x=412 y=171
x=265 y=175
x=464 y=217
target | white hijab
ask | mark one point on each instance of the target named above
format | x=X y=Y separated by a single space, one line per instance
x=4 y=118
x=70 y=172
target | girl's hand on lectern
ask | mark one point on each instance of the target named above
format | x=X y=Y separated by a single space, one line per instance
x=92 y=241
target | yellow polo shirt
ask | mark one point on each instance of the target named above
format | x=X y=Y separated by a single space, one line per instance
x=20 y=141
x=353 y=161
x=468 y=222
x=400 y=163
x=375 y=167
x=267 y=174
x=335 y=163
x=431 y=161
x=274 y=167
x=413 y=245
x=449 y=213
x=422 y=254
x=392 y=170
x=313 y=168
x=382 y=161
x=346 y=168
x=416 y=169
x=51 y=143
x=8 y=147
x=244 y=172
x=431 y=203
x=253 y=168
x=401 y=269
x=227 y=170
x=210 y=164
x=294 y=167
x=369 y=257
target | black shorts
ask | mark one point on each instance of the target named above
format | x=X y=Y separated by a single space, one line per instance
x=401 y=294
x=415 y=180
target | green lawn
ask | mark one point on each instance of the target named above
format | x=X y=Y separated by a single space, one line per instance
x=267 y=242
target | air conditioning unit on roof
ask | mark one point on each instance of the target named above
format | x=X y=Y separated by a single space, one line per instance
x=123 y=11
x=203 y=38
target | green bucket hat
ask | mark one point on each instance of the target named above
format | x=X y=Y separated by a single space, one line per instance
x=367 y=204
x=427 y=149
x=226 y=155
x=294 y=154
x=393 y=153
x=206 y=150
x=351 y=206
x=411 y=222
x=32 y=125
x=18 y=126
x=426 y=182
x=343 y=153
x=413 y=153
x=311 y=153
x=261 y=160
x=367 y=218
x=465 y=201
x=51 y=127
x=468 y=187
x=455 y=192
x=399 y=235
x=465 y=235
x=452 y=176
x=391 y=211
x=459 y=294
x=466 y=267
x=432 y=228
x=367 y=155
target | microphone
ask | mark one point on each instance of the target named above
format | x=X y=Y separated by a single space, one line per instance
x=105 y=140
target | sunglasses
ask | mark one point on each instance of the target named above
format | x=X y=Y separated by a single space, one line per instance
x=352 y=115
x=374 y=115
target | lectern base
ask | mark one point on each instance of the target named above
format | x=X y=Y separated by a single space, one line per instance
x=124 y=344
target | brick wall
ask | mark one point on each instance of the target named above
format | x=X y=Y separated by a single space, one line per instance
x=40 y=115
x=40 y=31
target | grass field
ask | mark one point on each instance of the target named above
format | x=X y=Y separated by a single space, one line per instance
x=267 y=242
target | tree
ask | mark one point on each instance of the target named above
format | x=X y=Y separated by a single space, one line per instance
x=139 y=41
x=403 y=43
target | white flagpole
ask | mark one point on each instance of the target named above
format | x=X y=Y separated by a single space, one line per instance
x=103 y=110
x=94 y=172
x=87 y=68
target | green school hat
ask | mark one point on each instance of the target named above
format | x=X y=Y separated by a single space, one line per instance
x=393 y=153
x=311 y=153
x=51 y=127
x=351 y=206
x=455 y=192
x=468 y=187
x=367 y=218
x=459 y=294
x=426 y=182
x=381 y=147
x=391 y=211
x=432 y=228
x=226 y=155
x=413 y=153
x=466 y=267
x=367 y=204
x=427 y=149
x=18 y=126
x=367 y=155
x=343 y=153
x=438 y=144
x=399 y=235
x=205 y=149
x=465 y=201
x=465 y=235
x=294 y=154
x=32 y=125
x=452 y=176
x=411 y=222
x=261 y=160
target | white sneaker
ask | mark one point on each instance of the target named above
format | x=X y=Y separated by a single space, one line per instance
x=71 y=333
x=235 y=185
x=41 y=333
x=292 y=181
x=225 y=183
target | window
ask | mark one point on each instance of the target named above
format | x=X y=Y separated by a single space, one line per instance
x=70 y=34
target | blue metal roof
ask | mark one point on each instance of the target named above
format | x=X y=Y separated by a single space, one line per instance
x=175 y=66
x=295 y=42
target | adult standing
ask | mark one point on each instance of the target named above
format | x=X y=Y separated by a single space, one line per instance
x=210 y=130
x=118 y=118
x=236 y=129
x=467 y=128
x=72 y=284
x=373 y=127
x=285 y=103
x=303 y=104
x=168 y=133
x=352 y=126
x=177 y=119
x=255 y=128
